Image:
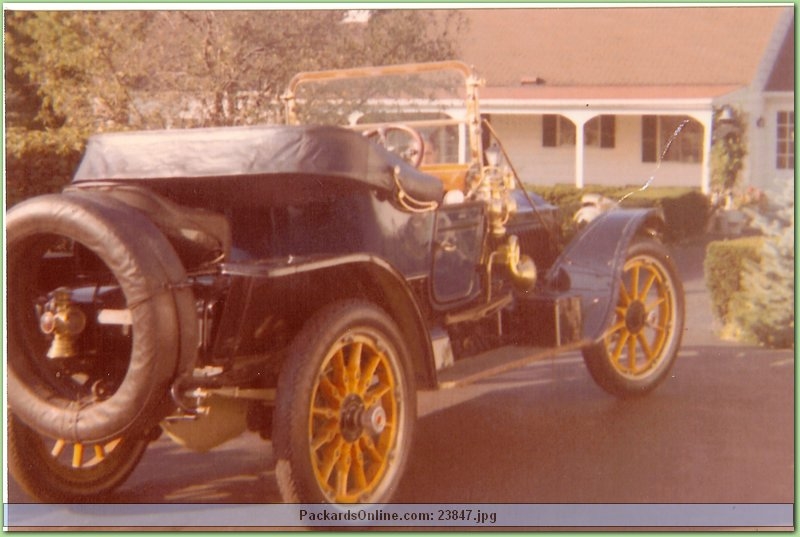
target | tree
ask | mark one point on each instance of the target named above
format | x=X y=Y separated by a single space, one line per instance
x=74 y=73
x=146 y=69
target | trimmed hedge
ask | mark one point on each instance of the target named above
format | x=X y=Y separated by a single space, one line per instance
x=723 y=268
x=686 y=210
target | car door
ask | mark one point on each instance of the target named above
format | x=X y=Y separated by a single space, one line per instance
x=459 y=236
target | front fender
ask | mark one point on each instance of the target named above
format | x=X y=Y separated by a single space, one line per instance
x=591 y=264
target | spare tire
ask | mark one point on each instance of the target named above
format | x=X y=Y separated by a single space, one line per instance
x=118 y=377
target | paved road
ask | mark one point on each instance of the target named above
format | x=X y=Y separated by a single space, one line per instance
x=721 y=430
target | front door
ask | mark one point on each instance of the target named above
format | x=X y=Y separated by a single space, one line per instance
x=459 y=235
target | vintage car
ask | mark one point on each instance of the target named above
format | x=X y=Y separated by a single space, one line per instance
x=303 y=280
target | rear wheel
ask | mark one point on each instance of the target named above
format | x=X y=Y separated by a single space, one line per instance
x=60 y=471
x=345 y=408
x=640 y=347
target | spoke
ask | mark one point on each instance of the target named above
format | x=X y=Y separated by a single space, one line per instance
x=654 y=304
x=77 y=455
x=325 y=412
x=648 y=352
x=58 y=448
x=649 y=283
x=354 y=366
x=332 y=393
x=624 y=296
x=635 y=281
x=372 y=366
x=329 y=458
x=343 y=473
x=657 y=327
x=623 y=337
x=359 y=474
x=339 y=375
x=373 y=396
x=632 y=354
x=619 y=325
x=325 y=435
x=371 y=450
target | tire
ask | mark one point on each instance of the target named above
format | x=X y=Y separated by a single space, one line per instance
x=124 y=250
x=55 y=471
x=347 y=382
x=641 y=345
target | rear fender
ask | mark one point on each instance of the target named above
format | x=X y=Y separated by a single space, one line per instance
x=591 y=264
x=322 y=280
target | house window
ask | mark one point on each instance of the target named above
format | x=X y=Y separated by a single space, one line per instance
x=671 y=139
x=785 y=148
x=557 y=130
x=600 y=132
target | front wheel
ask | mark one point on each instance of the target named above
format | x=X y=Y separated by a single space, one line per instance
x=638 y=350
x=345 y=408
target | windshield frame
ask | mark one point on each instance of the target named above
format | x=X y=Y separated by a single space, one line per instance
x=469 y=106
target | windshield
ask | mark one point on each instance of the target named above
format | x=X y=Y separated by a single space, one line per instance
x=437 y=100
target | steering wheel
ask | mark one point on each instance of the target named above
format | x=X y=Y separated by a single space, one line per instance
x=410 y=145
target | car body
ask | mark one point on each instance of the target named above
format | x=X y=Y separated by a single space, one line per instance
x=304 y=280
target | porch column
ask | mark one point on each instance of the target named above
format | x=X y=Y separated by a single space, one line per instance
x=579 y=118
x=580 y=149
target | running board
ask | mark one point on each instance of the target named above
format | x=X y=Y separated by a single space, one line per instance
x=494 y=362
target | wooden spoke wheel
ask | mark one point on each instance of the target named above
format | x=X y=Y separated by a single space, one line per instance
x=345 y=408
x=639 y=348
x=59 y=471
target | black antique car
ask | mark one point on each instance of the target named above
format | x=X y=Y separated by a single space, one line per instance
x=304 y=280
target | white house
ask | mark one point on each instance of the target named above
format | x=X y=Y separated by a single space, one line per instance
x=594 y=95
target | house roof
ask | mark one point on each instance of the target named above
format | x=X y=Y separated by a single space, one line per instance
x=630 y=52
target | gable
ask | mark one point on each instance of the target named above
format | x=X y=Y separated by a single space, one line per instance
x=782 y=76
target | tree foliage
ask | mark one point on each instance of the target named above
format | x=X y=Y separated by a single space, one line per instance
x=73 y=73
x=105 y=70
x=728 y=150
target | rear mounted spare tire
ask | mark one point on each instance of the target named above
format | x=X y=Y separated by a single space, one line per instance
x=117 y=377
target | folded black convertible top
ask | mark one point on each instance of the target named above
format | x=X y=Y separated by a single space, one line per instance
x=320 y=151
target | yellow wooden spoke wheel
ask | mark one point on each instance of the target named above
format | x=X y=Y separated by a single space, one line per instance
x=345 y=408
x=640 y=346
x=60 y=471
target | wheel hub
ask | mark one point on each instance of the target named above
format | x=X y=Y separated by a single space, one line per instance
x=635 y=317
x=356 y=418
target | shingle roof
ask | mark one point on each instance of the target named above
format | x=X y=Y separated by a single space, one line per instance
x=619 y=47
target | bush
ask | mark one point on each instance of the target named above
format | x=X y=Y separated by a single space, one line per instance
x=723 y=266
x=685 y=210
x=763 y=312
x=39 y=162
x=686 y=215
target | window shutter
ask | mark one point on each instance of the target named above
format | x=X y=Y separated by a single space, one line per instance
x=549 y=131
x=649 y=138
x=607 y=131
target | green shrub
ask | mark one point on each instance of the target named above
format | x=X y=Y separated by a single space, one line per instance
x=763 y=312
x=39 y=162
x=723 y=266
x=686 y=214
